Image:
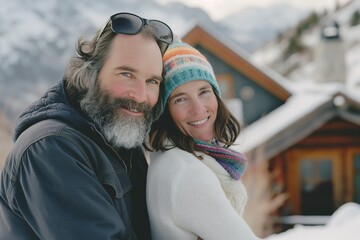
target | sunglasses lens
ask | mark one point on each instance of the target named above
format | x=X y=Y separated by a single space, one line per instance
x=163 y=46
x=126 y=23
x=162 y=31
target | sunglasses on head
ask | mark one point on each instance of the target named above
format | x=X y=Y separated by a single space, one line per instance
x=131 y=24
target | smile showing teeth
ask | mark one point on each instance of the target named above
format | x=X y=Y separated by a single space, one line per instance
x=133 y=110
x=198 y=122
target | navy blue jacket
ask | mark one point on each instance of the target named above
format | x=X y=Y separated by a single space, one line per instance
x=62 y=180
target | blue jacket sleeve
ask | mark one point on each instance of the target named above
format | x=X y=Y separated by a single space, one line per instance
x=59 y=195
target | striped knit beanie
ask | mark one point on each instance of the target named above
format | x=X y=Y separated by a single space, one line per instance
x=182 y=64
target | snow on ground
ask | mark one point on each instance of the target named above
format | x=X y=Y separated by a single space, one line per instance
x=343 y=225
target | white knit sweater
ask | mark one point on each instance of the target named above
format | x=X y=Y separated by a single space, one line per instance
x=186 y=198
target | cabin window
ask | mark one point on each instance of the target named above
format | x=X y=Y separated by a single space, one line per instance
x=226 y=84
x=316 y=187
x=357 y=178
x=314 y=181
x=247 y=93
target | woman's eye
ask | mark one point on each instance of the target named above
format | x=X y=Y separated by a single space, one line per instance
x=205 y=92
x=179 y=100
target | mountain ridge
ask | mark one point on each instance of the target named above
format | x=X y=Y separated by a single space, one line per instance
x=299 y=65
x=38 y=38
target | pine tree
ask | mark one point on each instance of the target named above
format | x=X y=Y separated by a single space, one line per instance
x=355 y=18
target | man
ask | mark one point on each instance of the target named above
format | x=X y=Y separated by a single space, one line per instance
x=77 y=170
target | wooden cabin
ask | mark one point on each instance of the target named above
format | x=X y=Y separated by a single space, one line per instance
x=312 y=143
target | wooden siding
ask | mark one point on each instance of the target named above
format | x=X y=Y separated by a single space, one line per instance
x=337 y=141
x=335 y=133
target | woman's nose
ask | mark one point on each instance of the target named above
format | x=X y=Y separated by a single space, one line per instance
x=197 y=106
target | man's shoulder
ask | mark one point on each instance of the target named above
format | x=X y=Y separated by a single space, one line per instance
x=45 y=133
x=31 y=147
x=43 y=129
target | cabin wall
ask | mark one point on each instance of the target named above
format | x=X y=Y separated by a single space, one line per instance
x=322 y=171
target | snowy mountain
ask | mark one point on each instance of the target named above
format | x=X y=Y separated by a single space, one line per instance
x=38 y=37
x=262 y=23
x=300 y=67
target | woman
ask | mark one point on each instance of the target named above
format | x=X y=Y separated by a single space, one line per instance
x=194 y=187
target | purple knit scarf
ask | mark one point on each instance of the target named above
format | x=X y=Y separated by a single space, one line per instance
x=233 y=162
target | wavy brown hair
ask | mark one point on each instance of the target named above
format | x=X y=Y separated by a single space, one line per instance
x=227 y=129
x=84 y=68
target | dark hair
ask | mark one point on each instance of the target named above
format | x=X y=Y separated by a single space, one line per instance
x=227 y=129
x=84 y=68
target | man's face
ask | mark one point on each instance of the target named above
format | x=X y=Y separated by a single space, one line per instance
x=127 y=90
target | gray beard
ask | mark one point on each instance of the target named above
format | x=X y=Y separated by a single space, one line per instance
x=118 y=128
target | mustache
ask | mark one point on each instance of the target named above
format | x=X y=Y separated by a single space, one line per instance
x=130 y=104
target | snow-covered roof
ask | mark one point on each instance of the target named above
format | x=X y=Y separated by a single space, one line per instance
x=305 y=111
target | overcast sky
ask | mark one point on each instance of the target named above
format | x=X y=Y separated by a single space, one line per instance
x=220 y=8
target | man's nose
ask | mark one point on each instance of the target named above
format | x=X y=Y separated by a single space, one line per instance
x=138 y=92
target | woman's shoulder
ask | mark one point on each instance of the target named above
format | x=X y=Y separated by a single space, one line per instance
x=214 y=166
x=172 y=156
x=175 y=161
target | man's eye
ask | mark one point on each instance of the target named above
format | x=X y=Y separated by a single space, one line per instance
x=126 y=74
x=154 y=81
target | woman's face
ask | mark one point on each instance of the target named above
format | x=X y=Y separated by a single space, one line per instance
x=193 y=107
